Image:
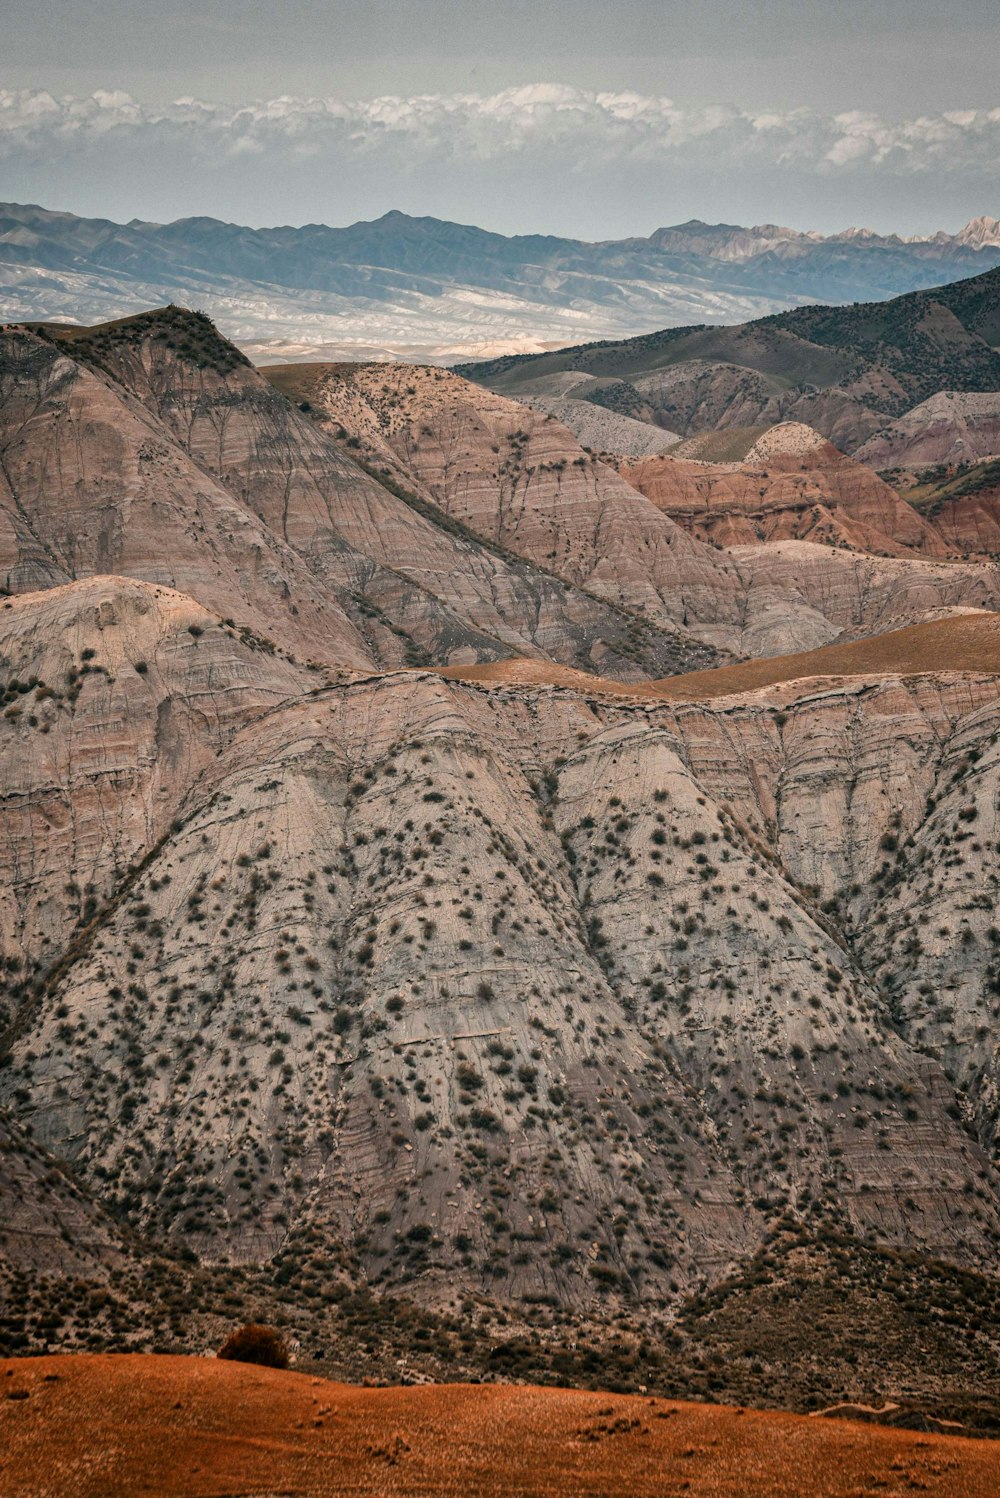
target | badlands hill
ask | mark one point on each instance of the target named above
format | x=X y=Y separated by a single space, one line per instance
x=151 y=448
x=844 y=370
x=581 y=1031
x=949 y=428
x=963 y=642
x=604 y=431
x=790 y=485
x=519 y=478
x=507 y=1025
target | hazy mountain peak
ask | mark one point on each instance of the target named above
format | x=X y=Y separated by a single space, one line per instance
x=980 y=231
x=422 y=287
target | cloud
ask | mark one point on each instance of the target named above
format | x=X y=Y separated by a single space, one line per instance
x=542 y=122
x=542 y=157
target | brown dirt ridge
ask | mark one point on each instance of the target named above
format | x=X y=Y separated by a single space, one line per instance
x=108 y=1426
x=962 y=643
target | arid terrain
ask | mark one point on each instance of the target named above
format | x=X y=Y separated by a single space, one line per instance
x=117 y=1427
x=849 y=372
x=495 y=909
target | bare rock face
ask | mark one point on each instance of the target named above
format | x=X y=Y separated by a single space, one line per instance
x=791 y=486
x=368 y=1053
x=523 y=989
x=843 y=370
x=703 y=396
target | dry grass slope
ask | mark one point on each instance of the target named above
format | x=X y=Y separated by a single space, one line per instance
x=106 y=1427
x=966 y=643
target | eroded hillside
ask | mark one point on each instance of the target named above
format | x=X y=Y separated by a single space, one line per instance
x=154 y=451
x=409 y=944
x=846 y=371
x=790 y=485
x=419 y=1001
x=515 y=476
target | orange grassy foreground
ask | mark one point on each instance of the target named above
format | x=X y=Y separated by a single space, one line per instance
x=103 y=1426
x=966 y=643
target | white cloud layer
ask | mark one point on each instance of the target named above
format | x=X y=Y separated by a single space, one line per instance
x=541 y=122
x=537 y=158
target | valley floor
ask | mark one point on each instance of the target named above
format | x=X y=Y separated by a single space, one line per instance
x=102 y=1426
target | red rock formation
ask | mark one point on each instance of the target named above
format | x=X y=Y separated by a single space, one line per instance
x=792 y=486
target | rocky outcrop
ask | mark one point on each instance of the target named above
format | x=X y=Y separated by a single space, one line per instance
x=801 y=595
x=877 y=795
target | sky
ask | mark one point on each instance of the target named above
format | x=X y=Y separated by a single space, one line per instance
x=589 y=118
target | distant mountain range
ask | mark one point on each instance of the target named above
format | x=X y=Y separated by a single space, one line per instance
x=421 y=287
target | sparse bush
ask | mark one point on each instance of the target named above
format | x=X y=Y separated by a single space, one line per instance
x=255 y=1344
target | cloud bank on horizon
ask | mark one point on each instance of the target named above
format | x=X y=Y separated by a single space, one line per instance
x=542 y=157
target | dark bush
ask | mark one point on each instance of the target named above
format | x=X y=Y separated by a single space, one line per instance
x=255 y=1344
